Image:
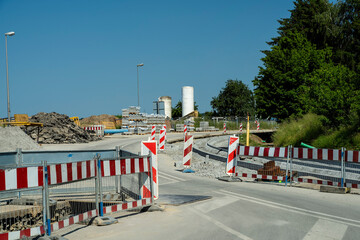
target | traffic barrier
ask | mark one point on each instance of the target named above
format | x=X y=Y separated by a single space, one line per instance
x=162 y=139
x=257 y=125
x=98 y=129
x=185 y=129
x=188 y=144
x=224 y=127
x=232 y=156
x=60 y=182
x=241 y=128
x=153 y=130
x=150 y=147
x=280 y=152
x=164 y=127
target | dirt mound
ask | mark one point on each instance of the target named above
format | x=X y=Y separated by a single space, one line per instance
x=12 y=138
x=58 y=128
x=96 y=120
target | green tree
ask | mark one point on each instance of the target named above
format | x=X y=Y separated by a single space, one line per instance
x=235 y=99
x=279 y=85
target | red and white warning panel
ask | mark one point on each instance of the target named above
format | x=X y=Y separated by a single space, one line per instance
x=188 y=146
x=280 y=152
x=18 y=178
x=232 y=156
x=150 y=147
x=257 y=125
x=185 y=129
x=241 y=128
x=162 y=139
x=224 y=127
x=153 y=130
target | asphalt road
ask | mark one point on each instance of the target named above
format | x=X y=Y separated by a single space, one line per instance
x=236 y=210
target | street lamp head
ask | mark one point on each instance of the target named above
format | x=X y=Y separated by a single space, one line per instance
x=140 y=65
x=10 y=34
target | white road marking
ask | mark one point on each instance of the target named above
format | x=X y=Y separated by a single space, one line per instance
x=171 y=176
x=324 y=229
x=288 y=208
x=215 y=203
x=222 y=226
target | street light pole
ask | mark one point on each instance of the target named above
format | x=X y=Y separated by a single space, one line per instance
x=7 y=74
x=137 y=70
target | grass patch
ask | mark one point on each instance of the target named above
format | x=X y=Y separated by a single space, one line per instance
x=295 y=131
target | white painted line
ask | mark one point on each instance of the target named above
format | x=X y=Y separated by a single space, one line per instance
x=288 y=208
x=171 y=176
x=171 y=179
x=324 y=229
x=221 y=225
x=215 y=203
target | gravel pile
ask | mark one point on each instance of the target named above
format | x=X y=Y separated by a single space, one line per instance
x=58 y=128
x=12 y=138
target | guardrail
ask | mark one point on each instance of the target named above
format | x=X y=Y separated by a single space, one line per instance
x=53 y=196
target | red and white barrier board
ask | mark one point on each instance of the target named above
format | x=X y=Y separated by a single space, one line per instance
x=325 y=154
x=280 y=152
x=162 y=139
x=19 y=178
x=99 y=129
x=224 y=127
x=185 y=129
x=150 y=147
x=68 y=172
x=232 y=156
x=188 y=144
x=153 y=130
x=264 y=177
x=257 y=125
x=241 y=128
x=164 y=127
x=124 y=166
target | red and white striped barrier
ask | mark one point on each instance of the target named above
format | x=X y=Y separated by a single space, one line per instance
x=232 y=156
x=185 y=129
x=68 y=172
x=224 y=127
x=164 y=127
x=280 y=152
x=126 y=206
x=162 y=139
x=188 y=144
x=325 y=154
x=264 y=177
x=30 y=232
x=325 y=182
x=150 y=147
x=241 y=128
x=19 y=178
x=257 y=125
x=99 y=129
x=153 y=130
x=124 y=166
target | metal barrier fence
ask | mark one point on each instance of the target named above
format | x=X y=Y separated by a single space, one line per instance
x=336 y=167
x=51 y=197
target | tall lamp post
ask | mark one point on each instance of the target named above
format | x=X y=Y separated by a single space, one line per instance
x=137 y=70
x=7 y=74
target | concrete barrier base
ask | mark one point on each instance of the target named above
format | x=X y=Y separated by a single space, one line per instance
x=334 y=189
x=103 y=221
x=230 y=179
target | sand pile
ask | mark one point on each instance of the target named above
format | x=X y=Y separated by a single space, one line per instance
x=12 y=138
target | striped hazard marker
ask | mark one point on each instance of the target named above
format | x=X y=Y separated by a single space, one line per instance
x=257 y=125
x=150 y=147
x=232 y=156
x=162 y=139
x=185 y=129
x=188 y=146
x=153 y=129
x=164 y=127
x=241 y=128
x=224 y=127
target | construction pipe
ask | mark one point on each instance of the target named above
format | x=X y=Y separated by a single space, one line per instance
x=112 y=131
x=306 y=145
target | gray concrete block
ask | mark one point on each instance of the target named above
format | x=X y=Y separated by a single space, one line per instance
x=230 y=179
x=334 y=189
x=103 y=221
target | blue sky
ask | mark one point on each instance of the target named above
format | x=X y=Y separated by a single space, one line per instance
x=79 y=57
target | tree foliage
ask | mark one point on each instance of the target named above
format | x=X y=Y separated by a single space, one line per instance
x=314 y=63
x=177 y=110
x=235 y=99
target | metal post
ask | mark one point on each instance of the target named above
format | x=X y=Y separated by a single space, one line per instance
x=247 y=131
x=48 y=214
x=342 y=167
x=101 y=204
x=291 y=147
x=137 y=70
x=7 y=80
x=44 y=197
x=97 y=185
x=287 y=167
x=117 y=156
x=152 y=187
x=19 y=163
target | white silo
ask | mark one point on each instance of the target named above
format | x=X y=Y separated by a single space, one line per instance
x=167 y=105
x=187 y=100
